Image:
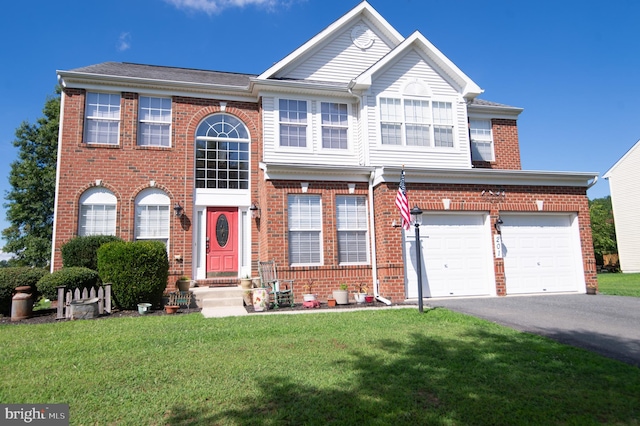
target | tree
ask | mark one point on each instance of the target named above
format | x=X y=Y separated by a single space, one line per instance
x=32 y=177
x=602 y=227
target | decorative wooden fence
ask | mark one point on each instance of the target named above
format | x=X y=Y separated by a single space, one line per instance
x=103 y=293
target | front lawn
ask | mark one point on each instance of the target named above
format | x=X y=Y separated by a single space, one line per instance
x=618 y=284
x=388 y=367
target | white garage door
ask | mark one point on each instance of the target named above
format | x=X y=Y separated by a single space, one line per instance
x=457 y=256
x=541 y=253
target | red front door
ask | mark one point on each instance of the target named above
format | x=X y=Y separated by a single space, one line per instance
x=222 y=242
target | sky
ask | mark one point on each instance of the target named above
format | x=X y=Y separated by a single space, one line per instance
x=573 y=65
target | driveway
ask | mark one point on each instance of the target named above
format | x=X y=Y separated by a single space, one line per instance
x=608 y=325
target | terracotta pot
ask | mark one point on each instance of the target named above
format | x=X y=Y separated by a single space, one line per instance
x=331 y=302
x=171 y=309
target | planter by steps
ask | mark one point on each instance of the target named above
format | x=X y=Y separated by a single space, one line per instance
x=260 y=299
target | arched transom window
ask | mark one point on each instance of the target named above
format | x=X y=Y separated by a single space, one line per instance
x=222 y=153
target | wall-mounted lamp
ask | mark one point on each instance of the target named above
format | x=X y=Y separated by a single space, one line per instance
x=178 y=209
x=255 y=211
x=498 y=224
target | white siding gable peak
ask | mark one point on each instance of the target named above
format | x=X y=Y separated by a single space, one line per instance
x=362 y=11
x=468 y=89
x=623 y=159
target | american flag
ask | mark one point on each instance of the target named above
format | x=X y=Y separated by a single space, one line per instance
x=403 y=203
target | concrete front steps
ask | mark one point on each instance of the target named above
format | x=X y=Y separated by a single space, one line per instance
x=219 y=301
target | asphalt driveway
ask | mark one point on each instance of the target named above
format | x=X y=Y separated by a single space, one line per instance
x=608 y=325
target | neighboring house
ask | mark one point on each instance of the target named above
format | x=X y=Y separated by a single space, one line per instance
x=301 y=164
x=623 y=178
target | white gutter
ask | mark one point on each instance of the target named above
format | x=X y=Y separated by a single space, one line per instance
x=374 y=262
x=55 y=202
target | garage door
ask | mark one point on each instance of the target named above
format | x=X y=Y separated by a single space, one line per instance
x=457 y=256
x=541 y=253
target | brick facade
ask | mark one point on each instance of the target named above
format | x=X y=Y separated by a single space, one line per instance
x=506 y=146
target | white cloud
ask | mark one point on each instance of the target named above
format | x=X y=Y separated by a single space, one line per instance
x=212 y=7
x=5 y=256
x=124 y=41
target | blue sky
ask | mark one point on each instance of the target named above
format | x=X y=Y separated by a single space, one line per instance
x=573 y=65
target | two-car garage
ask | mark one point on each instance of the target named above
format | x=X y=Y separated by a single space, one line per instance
x=541 y=254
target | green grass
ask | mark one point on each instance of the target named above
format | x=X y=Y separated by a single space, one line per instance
x=619 y=284
x=369 y=367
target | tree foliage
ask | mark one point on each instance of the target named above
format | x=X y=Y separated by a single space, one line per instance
x=32 y=177
x=602 y=227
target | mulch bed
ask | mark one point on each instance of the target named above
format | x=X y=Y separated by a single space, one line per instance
x=323 y=306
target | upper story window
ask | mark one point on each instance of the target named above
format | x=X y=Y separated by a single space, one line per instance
x=416 y=122
x=351 y=221
x=305 y=230
x=102 y=123
x=97 y=212
x=293 y=122
x=335 y=125
x=152 y=215
x=481 y=140
x=155 y=121
x=222 y=153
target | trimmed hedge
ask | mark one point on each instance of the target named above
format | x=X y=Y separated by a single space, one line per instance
x=82 y=251
x=71 y=278
x=13 y=277
x=138 y=271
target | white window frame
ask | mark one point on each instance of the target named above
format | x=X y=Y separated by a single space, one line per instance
x=303 y=125
x=352 y=229
x=97 y=212
x=153 y=216
x=405 y=116
x=102 y=110
x=481 y=135
x=305 y=220
x=333 y=125
x=154 y=121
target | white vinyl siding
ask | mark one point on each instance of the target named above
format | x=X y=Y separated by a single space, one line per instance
x=97 y=214
x=102 y=118
x=152 y=216
x=481 y=140
x=351 y=218
x=155 y=121
x=305 y=230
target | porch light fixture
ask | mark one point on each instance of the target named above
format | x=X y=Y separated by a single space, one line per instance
x=178 y=209
x=255 y=211
x=416 y=212
x=498 y=224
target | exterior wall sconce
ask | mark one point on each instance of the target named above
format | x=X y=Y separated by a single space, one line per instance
x=178 y=209
x=255 y=211
x=498 y=224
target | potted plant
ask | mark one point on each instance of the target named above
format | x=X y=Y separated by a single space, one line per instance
x=183 y=283
x=361 y=293
x=246 y=283
x=172 y=304
x=331 y=302
x=306 y=292
x=342 y=295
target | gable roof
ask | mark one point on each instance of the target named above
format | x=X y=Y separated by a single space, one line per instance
x=621 y=160
x=362 y=10
x=468 y=88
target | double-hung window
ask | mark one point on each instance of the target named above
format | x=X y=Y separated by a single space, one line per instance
x=293 y=123
x=305 y=230
x=481 y=140
x=152 y=216
x=334 y=125
x=97 y=212
x=351 y=219
x=416 y=122
x=102 y=121
x=155 y=121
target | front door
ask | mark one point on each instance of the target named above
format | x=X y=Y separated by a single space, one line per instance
x=222 y=242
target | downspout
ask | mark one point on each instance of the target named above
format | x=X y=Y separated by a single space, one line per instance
x=374 y=261
x=57 y=191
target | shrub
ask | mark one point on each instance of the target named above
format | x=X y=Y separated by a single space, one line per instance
x=10 y=278
x=138 y=271
x=71 y=278
x=82 y=251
